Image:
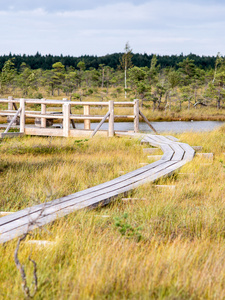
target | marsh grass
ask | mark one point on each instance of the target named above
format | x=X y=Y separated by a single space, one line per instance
x=170 y=246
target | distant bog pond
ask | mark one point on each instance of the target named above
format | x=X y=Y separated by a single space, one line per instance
x=172 y=126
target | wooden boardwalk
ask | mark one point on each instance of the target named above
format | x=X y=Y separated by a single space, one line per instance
x=175 y=155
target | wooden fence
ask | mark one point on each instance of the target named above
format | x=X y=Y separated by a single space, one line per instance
x=67 y=117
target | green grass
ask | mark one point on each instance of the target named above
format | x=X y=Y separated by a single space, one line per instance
x=169 y=246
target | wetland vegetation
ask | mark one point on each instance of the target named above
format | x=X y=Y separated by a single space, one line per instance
x=169 y=244
x=190 y=88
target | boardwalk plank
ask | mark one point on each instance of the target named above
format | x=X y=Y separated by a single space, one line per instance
x=189 y=152
x=88 y=203
x=122 y=178
x=56 y=205
x=179 y=152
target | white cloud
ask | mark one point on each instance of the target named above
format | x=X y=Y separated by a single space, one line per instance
x=162 y=26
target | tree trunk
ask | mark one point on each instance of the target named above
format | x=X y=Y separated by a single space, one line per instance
x=159 y=102
x=189 y=103
x=218 y=102
x=166 y=100
x=125 y=79
x=180 y=101
x=170 y=102
x=103 y=71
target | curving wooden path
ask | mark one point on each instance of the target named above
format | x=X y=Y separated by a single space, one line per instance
x=175 y=155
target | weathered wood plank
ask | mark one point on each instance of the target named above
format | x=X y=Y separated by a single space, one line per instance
x=189 y=152
x=205 y=155
x=178 y=151
x=168 y=152
x=52 y=213
x=86 y=192
x=150 y=150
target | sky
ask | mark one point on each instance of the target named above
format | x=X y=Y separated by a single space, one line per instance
x=100 y=27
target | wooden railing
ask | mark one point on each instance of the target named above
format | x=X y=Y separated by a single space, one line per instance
x=66 y=113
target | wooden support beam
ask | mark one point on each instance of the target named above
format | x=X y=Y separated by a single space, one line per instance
x=22 y=116
x=121 y=172
x=66 y=119
x=10 y=103
x=197 y=148
x=43 y=111
x=136 y=116
x=87 y=123
x=100 y=124
x=72 y=121
x=155 y=157
x=111 y=118
x=147 y=121
x=13 y=119
x=150 y=150
x=164 y=186
x=205 y=155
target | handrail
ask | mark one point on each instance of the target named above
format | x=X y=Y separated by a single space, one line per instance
x=61 y=102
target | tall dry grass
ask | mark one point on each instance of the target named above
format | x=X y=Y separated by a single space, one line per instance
x=169 y=246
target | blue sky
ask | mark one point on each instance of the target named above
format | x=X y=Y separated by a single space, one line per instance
x=100 y=27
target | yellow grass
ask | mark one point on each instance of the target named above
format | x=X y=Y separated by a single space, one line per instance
x=173 y=246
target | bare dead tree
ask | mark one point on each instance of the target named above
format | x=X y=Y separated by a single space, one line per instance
x=25 y=288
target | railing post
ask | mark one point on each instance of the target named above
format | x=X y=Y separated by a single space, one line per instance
x=43 y=112
x=66 y=119
x=87 y=123
x=136 y=115
x=111 y=118
x=72 y=121
x=10 y=104
x=22 y=116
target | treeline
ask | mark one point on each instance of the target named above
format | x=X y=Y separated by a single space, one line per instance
x=45 y=62
x=185 y=85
